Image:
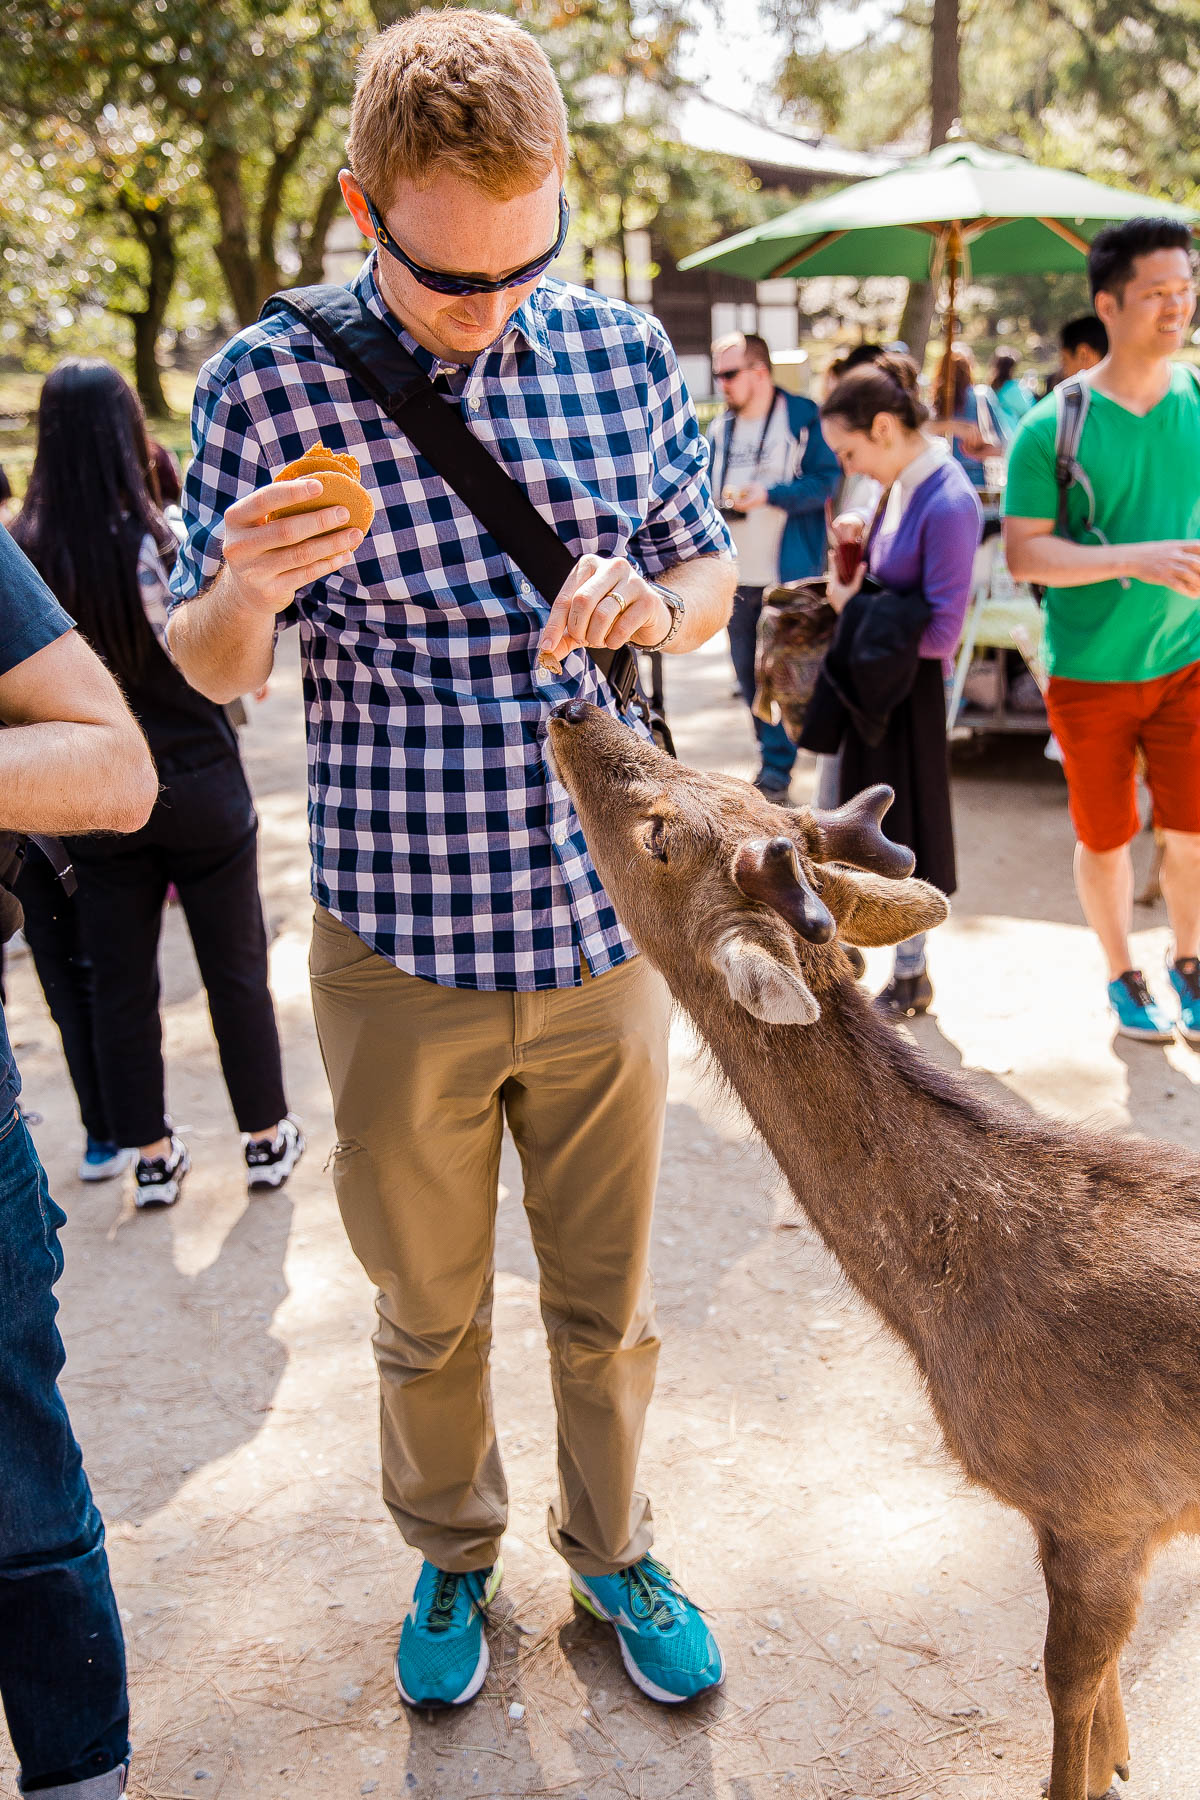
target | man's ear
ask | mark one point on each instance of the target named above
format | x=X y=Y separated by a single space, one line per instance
x=761 y=983
x=871 y=910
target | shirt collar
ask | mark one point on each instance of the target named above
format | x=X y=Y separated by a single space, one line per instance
x=923 y=466
x=528 y=321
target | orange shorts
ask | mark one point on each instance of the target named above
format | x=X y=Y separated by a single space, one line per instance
x=1100 y=726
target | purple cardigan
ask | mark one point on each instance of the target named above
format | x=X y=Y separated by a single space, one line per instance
x=933 y=549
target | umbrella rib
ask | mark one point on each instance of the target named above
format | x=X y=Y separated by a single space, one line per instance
x=793 y=262
x=1066 y=234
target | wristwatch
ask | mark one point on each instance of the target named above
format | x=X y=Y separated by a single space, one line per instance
x=678 y=609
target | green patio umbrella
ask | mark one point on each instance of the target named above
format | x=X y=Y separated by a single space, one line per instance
x=960 y=210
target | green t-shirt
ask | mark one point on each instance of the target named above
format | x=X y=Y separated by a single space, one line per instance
x=1145 y=474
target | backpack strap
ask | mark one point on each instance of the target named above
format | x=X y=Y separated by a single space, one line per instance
x=365 y=348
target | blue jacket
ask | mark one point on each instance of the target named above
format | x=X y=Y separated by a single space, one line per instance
x=803 y=549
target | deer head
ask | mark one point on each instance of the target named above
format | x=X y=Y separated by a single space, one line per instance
x=703 y=866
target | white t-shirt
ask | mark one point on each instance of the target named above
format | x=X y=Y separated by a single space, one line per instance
x=762 y=453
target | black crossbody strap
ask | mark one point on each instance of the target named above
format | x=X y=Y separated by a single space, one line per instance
x=364 y=346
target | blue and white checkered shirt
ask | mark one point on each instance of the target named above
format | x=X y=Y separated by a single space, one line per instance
x=438 y=832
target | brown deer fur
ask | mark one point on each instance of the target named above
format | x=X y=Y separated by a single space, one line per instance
x=1045 y=1279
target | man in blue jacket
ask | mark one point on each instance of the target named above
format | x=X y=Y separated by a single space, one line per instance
x=772 y=474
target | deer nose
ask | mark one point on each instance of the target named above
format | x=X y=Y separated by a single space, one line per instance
x=571 y=712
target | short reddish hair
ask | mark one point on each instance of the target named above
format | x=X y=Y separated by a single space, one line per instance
x=460 y=90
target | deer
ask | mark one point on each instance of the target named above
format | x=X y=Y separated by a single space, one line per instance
x=1044 y=1277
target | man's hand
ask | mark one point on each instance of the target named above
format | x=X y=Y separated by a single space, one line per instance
x=269 y=562
x=1173 y=564
x=604 y=603
x=751 y=497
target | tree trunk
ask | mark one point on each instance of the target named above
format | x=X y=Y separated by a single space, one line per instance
x=154 y=230
x=312 y=254
x=945 y=105
x=223 y=171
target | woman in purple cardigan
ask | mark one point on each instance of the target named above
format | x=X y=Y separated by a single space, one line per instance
x=922 y=542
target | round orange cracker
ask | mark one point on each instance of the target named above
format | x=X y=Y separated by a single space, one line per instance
x=340 y=486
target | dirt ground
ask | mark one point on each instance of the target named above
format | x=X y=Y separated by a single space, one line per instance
x=882 y=1623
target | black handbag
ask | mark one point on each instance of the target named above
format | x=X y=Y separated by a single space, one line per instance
x=365 y=347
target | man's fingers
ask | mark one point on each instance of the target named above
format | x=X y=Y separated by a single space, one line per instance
x=635 y=617
x=253 y=508
x=303 y=558
x=256 y=540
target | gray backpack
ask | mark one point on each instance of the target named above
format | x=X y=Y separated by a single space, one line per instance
x=1072 y=398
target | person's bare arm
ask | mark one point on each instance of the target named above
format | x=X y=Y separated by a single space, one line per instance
x=73 y=758
x=1033 y=553
x=605 y=603
x=224 y=639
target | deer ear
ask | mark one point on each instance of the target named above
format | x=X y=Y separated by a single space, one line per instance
x=761 y=983
x=871 y=910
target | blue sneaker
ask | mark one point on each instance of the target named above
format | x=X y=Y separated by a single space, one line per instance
x=1138 y=1013
x=1185 y=979
x=667 y=1649
x=443 y=1655
x=101 y=1161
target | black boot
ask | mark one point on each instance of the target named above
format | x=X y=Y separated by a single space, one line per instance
x=906 y=995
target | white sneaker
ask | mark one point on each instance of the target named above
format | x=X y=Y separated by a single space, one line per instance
x=102 y=1161
x=159 y=1178
x=269 y=1162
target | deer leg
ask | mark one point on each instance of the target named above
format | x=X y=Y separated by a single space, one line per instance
x=1093 y=1591
x=1108 y=1753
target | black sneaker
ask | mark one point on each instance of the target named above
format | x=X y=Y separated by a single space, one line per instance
x=159 y=1178
x=906 y=995
x=771 y=788
x=269 y=1161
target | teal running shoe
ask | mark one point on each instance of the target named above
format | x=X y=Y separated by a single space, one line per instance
x=1185 y=979
x=443 y=1655
x=1138 y=1013
x=667 y=1649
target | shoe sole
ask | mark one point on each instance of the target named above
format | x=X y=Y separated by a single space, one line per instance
x=639 y=1680
x=107 y=1171
x=1142 y=1035
x=481 y=1667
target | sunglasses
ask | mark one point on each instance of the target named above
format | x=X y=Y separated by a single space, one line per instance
x=730 y=374
x=439 y=282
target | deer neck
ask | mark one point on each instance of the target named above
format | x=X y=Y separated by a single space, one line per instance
x=874 y=1142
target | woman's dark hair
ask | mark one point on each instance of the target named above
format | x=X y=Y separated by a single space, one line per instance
x=89 y=505
x=5 y=488
x=890 y=384
x=1004 y=362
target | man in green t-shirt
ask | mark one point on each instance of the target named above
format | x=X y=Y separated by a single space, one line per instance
x=1122 y=613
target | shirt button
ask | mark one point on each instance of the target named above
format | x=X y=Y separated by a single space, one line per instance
x=542 y=676
x=525 y=588
x=474 y=403
x=560 y=835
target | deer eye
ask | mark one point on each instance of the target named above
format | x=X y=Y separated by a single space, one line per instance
x=656 y=839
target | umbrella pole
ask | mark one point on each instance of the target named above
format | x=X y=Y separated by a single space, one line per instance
x=954 y=250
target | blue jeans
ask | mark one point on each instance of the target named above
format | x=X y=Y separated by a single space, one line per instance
x=62 y=1656
x=775 y=748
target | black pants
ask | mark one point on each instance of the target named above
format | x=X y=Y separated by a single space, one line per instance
x=54 y=933
x=203 y=836
x=776 y=749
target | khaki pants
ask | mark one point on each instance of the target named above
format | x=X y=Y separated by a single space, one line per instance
x=423 y=1078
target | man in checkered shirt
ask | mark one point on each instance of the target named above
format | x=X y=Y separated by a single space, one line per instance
x=467 y=966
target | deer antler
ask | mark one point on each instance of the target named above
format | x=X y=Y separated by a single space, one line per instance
x=852 y=834
x=768 y=870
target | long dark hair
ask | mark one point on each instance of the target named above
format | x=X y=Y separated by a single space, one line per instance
x=92 y=498
x=890 y=384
